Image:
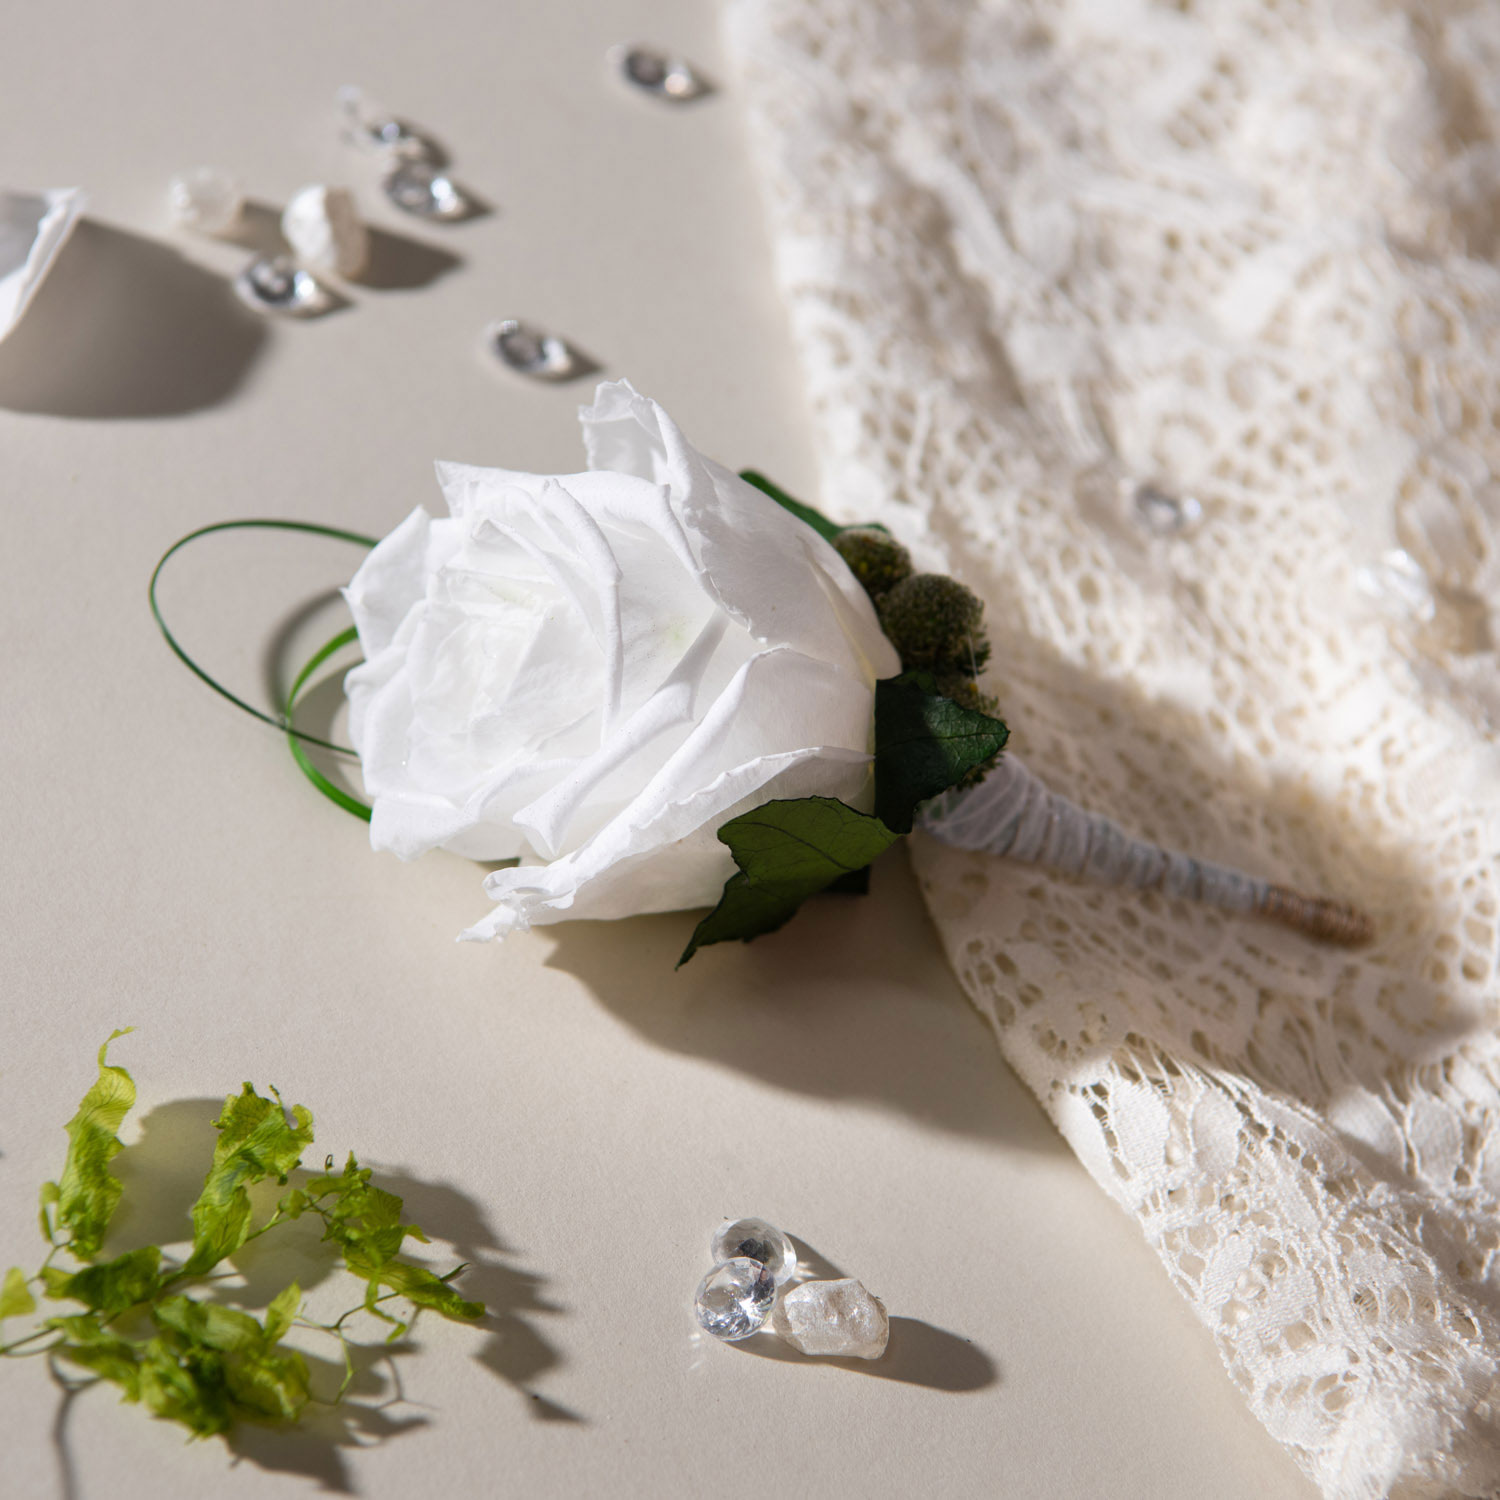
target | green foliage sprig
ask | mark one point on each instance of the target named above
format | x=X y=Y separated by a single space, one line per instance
x=200 y=1362
x=934 y=729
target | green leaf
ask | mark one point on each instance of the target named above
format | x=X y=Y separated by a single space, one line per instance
x=15 y=1295
x=424 y=1288
x=255 y=1142
x=925 y=743
x=87 y=1192
x=111 y=1286
x=282 y=1311
x=787 y=851
x=816 y=519
x=364 y=1221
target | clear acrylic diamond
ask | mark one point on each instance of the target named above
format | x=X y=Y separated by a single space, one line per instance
x=1163 y=513
x=205 y=199
x=323 y=227
x=657 y=73
x=530 y=351
x=420 y=188
x=372 y=127
x=734 y=1299
x=277 y=284
x=754 y=1239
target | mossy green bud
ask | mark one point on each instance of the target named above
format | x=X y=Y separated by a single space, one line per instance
x=875 y=557
x=934 y=621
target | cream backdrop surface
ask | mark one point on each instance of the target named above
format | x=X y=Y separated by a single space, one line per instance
x=565 y=1111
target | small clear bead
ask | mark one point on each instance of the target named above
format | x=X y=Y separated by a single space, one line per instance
x=735 y=1299
x=420 y=188
x=372 y=127
x=277 y=284
x=205 y=199
x=754 y=1239
x=1164 y=514
x=655 y=73
x=1396 y=584
x=530 y=351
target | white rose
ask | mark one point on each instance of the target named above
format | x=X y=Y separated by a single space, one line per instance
x=593 y=673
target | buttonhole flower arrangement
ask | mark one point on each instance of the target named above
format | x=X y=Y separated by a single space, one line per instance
x=657 y=684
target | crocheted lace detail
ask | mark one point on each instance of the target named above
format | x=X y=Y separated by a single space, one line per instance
x=1037 y=254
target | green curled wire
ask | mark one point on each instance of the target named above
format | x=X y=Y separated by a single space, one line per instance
x=282 y=720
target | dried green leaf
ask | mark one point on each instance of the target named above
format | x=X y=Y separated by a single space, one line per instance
x=15 y=1295
x=111 y=1286
x=925 y=743
x=282 y=1311
x=255 y=1142
x=87 y=1191
x=424 y=1288
x=787 y=851
x=91 y=1346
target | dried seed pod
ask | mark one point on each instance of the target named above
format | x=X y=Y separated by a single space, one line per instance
x=934 y=621
x=875 y=557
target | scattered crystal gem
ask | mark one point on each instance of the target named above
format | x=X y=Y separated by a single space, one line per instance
x=323 y=227
x=374 y=128
x=656 y=73
x=529 y=351
x=421 y=189
x=833 y=1317
x=1397 y=585
x=1163 y=513
x=754 y=1239
x=205 y=199
x=277 y=284
x=735 y=1299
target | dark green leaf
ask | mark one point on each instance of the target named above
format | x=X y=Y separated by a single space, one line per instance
x=255 y=1142
x=816 y=519
x=15 y=1296
x=87 y=1192
x=113 y=1285
x=924 y=743
x=786 y=850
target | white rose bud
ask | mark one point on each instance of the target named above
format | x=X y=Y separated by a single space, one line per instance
x=593 y=673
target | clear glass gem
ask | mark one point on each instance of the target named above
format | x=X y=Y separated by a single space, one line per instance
x=734 y=1299
x=530 y=351
x=1163 y=513
x=372 y=127
x=420 y=188
x=839 y=1318
x=1397 y=586
x=656 y=73
x=323 y=227
x=754 y=1239
x=277 y=284
x=205 y=199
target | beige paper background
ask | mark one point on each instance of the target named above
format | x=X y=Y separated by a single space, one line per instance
x=574 y=1116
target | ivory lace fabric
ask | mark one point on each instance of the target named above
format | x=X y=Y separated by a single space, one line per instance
x=1038 y=254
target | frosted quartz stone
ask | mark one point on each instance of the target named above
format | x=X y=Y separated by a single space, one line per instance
x=757 y=1240
x=833 y=1317
x=420 y=188
x=323 y=227
x=735 y=1299
x=205 y=199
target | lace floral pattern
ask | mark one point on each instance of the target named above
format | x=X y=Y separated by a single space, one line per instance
x=1036 y=255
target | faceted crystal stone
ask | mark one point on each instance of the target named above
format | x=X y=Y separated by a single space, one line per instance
x=529 y=351
x=277 y=284
x=655 y=73
x=205 y=199
x=735 y=1299
x=833 y=1317
x=322 y=225
x=421 y=189
x=757 y=1240
x=1396 y=584
x=1164 y=514
x=372 y=127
